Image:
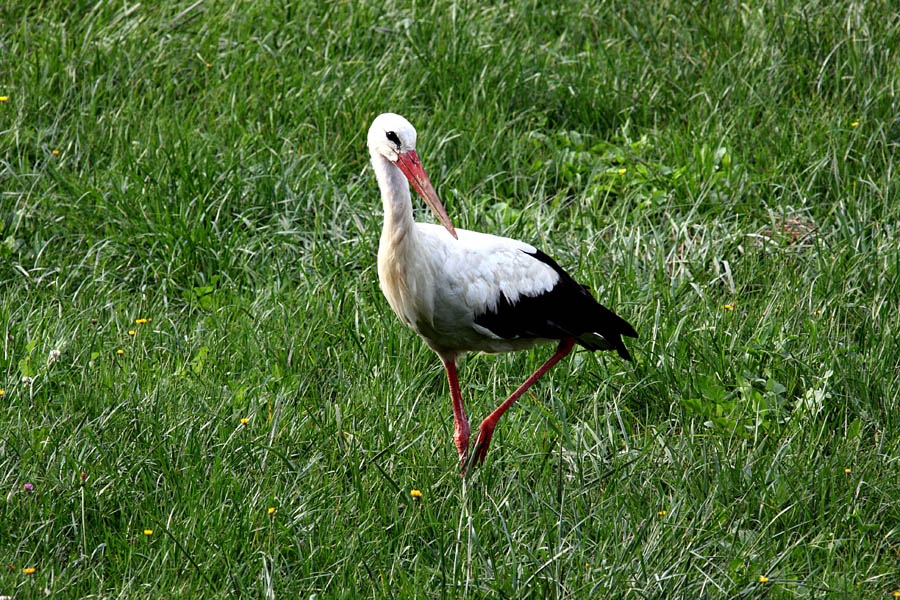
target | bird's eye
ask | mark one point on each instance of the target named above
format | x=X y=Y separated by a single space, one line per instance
x=392 y=137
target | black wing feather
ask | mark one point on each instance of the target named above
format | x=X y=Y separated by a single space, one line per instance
x=567 y=310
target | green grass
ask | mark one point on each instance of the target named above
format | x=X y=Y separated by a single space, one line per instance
x=212 y=174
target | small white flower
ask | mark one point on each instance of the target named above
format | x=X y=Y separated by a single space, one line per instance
x=54 y=356
x=27 y=380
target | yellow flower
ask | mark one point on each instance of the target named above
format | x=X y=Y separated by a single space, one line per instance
x=271 y=510
x=131 y=332
x=244 y=421
x=148 y=532
x=896 y=593
x=415 y=494
x=29 y=570
x=847 y=470
x=854 y=123
x=2 y=392
x=4 y=98
x=56 y=153
x=621 y=171
x=140 y=321
x=763 y=579
x=661 y=513
x=120 y=351
x=729 y=306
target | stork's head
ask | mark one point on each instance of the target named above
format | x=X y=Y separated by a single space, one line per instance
x=394 y=138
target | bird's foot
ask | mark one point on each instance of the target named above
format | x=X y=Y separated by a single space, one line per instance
x=483 y=441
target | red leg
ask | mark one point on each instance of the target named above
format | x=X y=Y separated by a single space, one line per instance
x=461 y=424
x=487 y=426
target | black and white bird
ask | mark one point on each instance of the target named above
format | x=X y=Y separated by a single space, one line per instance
x=466 y=291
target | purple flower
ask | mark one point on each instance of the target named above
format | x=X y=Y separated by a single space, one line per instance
x=29 y=487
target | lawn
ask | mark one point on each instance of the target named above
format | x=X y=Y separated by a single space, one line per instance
x=205 y=393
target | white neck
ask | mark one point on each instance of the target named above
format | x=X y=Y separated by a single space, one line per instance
x=398 y=214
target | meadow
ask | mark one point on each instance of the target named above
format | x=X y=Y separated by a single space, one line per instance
x=205 y=394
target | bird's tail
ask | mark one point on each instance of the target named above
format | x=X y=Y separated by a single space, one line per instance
x=607 y=332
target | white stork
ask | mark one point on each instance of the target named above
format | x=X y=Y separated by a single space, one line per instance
x=466 y=291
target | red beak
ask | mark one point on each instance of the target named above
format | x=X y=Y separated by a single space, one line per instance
x=412 y=168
